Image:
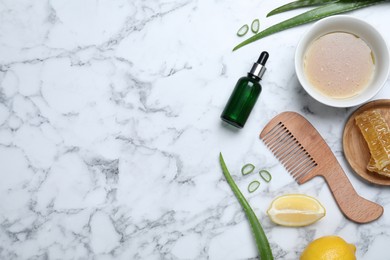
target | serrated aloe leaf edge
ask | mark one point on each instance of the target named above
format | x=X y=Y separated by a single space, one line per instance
x=299 y=4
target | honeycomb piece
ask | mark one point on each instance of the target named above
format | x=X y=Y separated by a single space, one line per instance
x=377 y=135
x=372 y=168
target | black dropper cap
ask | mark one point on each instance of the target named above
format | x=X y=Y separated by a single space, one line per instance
x=258 y=68
x=263 y=58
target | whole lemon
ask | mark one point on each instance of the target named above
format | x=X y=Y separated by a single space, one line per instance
x=329 y=248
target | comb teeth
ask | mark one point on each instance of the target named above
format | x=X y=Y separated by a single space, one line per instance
x=294 y=157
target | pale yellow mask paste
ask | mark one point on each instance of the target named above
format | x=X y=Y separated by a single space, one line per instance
x=339 y=65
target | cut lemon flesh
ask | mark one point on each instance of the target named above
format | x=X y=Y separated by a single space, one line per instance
x=376 y=132
x=295 y=210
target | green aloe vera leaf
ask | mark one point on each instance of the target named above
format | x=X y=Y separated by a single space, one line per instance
x=257 y=230
x=299 y=4
x=309 y=16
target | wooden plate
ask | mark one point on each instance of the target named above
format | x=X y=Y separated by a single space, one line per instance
x=355 y=147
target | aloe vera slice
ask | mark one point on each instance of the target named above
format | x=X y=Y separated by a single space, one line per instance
x=255 y=26
x=299 y=4
x=243 y=30
x=257 y=230
x=247 y=169
x=253 y=186
x=309 y=16
x=265 y=175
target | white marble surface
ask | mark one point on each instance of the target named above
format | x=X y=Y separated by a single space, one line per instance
x=110 y=132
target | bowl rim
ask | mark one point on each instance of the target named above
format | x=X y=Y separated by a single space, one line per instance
x=320 y=28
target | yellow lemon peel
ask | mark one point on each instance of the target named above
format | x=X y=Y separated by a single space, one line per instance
x=329 y=248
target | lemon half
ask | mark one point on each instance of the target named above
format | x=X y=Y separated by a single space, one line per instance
x=295 y=210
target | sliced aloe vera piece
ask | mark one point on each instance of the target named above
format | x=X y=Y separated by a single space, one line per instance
x=243 y=30
x=255 y=26
x=265 y=175
x=253 y=186
x=247 y=169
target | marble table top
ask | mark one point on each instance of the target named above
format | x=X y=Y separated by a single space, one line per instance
x=110 y=132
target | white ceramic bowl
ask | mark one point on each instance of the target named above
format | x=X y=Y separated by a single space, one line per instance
x=343 y=23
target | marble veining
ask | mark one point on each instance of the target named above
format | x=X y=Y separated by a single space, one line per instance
x=110 y=132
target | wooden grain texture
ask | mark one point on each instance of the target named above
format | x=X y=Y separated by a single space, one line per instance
x=305 y=154
x=355 y=147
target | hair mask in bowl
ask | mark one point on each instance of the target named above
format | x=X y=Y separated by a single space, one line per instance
x=339 y=65
x=364 y=31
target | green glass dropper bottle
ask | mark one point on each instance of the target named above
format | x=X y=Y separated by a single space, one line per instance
x=245 y=94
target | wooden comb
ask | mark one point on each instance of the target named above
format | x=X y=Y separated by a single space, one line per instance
x=305 y=154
